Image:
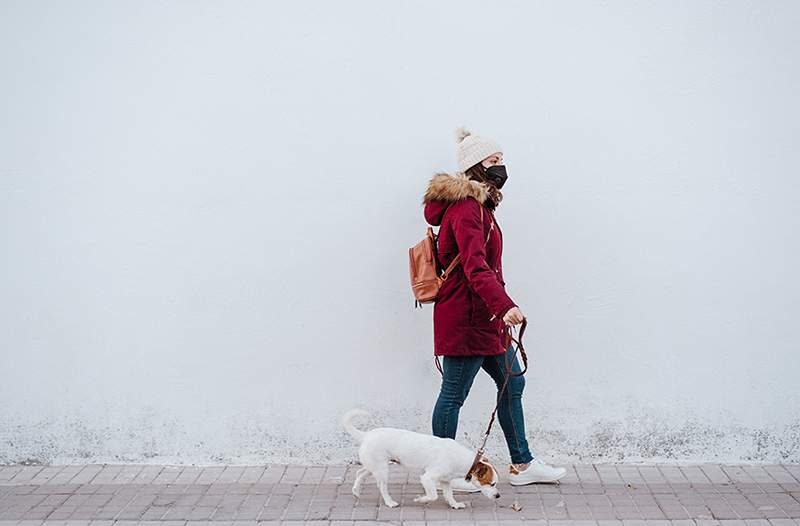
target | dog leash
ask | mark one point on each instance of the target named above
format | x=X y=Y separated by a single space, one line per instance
x=507 y=340
x=509 y=366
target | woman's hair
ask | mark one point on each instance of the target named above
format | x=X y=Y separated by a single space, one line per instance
x=476 y=173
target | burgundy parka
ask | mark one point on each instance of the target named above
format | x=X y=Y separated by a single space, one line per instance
x=468 y=314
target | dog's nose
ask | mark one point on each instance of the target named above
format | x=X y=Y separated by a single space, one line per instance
x=497 y=496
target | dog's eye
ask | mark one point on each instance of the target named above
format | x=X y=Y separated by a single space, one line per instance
x=493 y=484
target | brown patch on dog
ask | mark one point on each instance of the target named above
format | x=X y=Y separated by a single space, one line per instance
x=483 y=472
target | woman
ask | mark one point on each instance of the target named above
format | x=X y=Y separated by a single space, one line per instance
x=473 y=313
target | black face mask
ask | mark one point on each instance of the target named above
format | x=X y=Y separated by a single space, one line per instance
x=496 y=175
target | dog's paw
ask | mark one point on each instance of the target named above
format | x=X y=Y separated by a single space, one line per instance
x=423 y=498
x=356 y=493
x=392 y=504
x=458 y=505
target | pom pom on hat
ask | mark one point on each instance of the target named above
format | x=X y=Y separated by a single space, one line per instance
x=462 y=133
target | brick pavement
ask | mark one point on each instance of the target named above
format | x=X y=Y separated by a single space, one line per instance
x=591 y=495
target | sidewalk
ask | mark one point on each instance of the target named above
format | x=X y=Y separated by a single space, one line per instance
x=599 y=495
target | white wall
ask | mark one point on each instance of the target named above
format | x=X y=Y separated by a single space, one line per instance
x=207 y=206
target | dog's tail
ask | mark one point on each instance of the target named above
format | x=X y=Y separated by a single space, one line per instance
x=348 y=425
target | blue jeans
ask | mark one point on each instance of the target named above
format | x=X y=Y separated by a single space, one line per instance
x=459 y=372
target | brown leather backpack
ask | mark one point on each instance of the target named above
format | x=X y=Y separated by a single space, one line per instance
x=426 y=274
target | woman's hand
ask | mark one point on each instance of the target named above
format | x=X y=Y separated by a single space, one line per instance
x=513 y=316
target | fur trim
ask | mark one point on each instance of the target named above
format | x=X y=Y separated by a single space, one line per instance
x=446 y=187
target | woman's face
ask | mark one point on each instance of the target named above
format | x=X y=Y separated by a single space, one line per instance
x=492 y=160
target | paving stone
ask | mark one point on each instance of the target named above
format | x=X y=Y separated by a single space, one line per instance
x=591 y=495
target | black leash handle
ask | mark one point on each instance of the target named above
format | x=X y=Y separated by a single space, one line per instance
x=521 y=348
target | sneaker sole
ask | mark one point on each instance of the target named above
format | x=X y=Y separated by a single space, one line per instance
x=540 y=481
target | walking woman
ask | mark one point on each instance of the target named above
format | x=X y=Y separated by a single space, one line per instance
x=473 y=314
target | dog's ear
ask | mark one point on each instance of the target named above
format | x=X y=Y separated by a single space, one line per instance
x=478 y=471
x=483 y=472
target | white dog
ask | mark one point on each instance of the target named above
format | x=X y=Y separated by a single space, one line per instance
x=441 y=459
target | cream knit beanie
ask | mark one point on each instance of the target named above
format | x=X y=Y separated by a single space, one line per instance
x=472 y=149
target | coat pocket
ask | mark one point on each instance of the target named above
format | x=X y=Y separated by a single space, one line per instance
x=479 y=312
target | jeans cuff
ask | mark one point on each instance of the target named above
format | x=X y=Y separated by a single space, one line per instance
x=524 y=460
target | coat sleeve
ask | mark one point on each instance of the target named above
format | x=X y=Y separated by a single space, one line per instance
x=470 y=238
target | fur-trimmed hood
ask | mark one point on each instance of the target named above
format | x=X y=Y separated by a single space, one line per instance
x=445 y=189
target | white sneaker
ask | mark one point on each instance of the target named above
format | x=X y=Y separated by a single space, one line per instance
x=537 y=471
x=461 y=485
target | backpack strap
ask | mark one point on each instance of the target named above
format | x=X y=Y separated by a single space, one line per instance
x=457 y=259
x=451 y=266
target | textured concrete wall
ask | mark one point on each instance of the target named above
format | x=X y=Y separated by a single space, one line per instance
x=206 y=209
